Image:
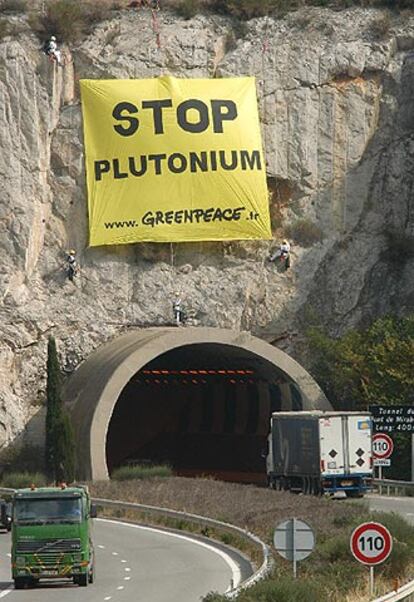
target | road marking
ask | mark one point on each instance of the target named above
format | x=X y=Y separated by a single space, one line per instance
x=236 y=574
x=108 y=598
x=8 y=554
x=115 y=554
x=127 y=569
x=123 y=561
x=102 y=548
x=127 y=578
x=5 y=592
x=120 y=587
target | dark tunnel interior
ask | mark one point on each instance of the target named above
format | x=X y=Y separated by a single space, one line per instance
x=203 y=409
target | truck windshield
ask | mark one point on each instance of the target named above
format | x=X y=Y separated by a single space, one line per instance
x=48 y=510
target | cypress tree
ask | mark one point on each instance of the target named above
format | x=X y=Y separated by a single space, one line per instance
x=53 y=391
x=59 y=446
x=64 y=449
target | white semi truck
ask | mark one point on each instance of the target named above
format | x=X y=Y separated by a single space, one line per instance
x=320 y=452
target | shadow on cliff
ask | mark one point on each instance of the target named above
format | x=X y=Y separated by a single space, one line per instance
x=366 y=272
x=26 y=452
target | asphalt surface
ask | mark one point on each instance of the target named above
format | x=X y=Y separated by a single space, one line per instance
x=400 y=505
x=135 y=564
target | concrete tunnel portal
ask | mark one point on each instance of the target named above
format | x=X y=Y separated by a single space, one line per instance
x=197 y=399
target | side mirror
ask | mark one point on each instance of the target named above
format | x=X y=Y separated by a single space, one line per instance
x=93 y=513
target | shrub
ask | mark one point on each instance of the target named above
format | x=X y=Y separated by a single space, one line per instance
x=247 y=9
x=28 y=458
x=18 y=480
x=304 y=232
x=14 y=6
x=380 y=26
x=126 y=473
x=280 y=590
x=188 y=8
x=69 y=20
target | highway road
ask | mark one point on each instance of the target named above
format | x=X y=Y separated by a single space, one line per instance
x=400 y=505
x=134 y=564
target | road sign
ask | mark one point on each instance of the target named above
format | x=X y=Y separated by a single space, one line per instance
x=381 y=462
x=382 y=446
x=388 y=419
x=371 y=543
x=294 y=540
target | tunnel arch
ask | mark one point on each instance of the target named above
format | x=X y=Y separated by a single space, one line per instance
x=94 y=390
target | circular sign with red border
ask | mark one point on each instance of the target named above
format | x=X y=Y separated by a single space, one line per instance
x=371 y=543
x=382 y=446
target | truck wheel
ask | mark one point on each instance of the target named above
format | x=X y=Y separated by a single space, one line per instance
x=20 y=582
x=316 y=487
x=83 y=579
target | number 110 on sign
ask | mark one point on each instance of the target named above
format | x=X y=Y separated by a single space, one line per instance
x=371 y=543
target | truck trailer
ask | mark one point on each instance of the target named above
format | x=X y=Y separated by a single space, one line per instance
x=51 y=535
x=319 y=452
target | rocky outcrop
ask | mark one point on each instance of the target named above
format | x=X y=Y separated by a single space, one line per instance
x=337 y=109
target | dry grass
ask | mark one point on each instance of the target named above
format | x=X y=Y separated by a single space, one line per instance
x=258 y=509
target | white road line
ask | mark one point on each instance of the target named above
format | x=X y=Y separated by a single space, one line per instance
x=127 y=578
x=107 y=598
x=5 y=592
x=114 y=553
x=102 y=548
x=127 y=569
x=120 y=587
x=236 y=574
x=123 y=561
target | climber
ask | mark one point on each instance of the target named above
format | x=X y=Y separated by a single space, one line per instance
x=178 y=311
x=282 y=253
x=51 y=50
x=72 y=265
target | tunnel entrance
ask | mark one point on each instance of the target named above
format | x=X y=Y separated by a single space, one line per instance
x=203 y=409
x=198 y=399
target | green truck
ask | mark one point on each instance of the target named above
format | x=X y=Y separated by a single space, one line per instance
x=51 y=535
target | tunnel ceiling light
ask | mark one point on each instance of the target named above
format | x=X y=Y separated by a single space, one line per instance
x=198 y=371
x=197 y=381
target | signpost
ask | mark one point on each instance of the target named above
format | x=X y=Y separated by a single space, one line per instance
x=382 y=446
x=388 y=419
x=294 y=540
x=371 y=544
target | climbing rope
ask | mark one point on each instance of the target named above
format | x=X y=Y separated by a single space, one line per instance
x=265 y=46
x=156 y=24
x=172 y=254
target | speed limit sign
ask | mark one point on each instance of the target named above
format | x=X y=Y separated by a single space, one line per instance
x=382 y=446
x=371 y=543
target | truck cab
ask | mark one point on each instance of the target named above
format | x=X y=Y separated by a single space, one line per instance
x=51 y=535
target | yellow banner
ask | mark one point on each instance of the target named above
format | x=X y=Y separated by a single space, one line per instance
x=174 y=160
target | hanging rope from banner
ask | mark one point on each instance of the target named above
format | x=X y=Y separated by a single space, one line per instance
x=156 y=24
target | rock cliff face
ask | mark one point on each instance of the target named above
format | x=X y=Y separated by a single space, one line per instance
x=336 y=95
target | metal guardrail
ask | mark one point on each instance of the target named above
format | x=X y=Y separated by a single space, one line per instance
x=404 y=593
x=398 y=487
x=262 y=572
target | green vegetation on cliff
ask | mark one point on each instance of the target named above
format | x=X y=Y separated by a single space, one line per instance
x=368 y=367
